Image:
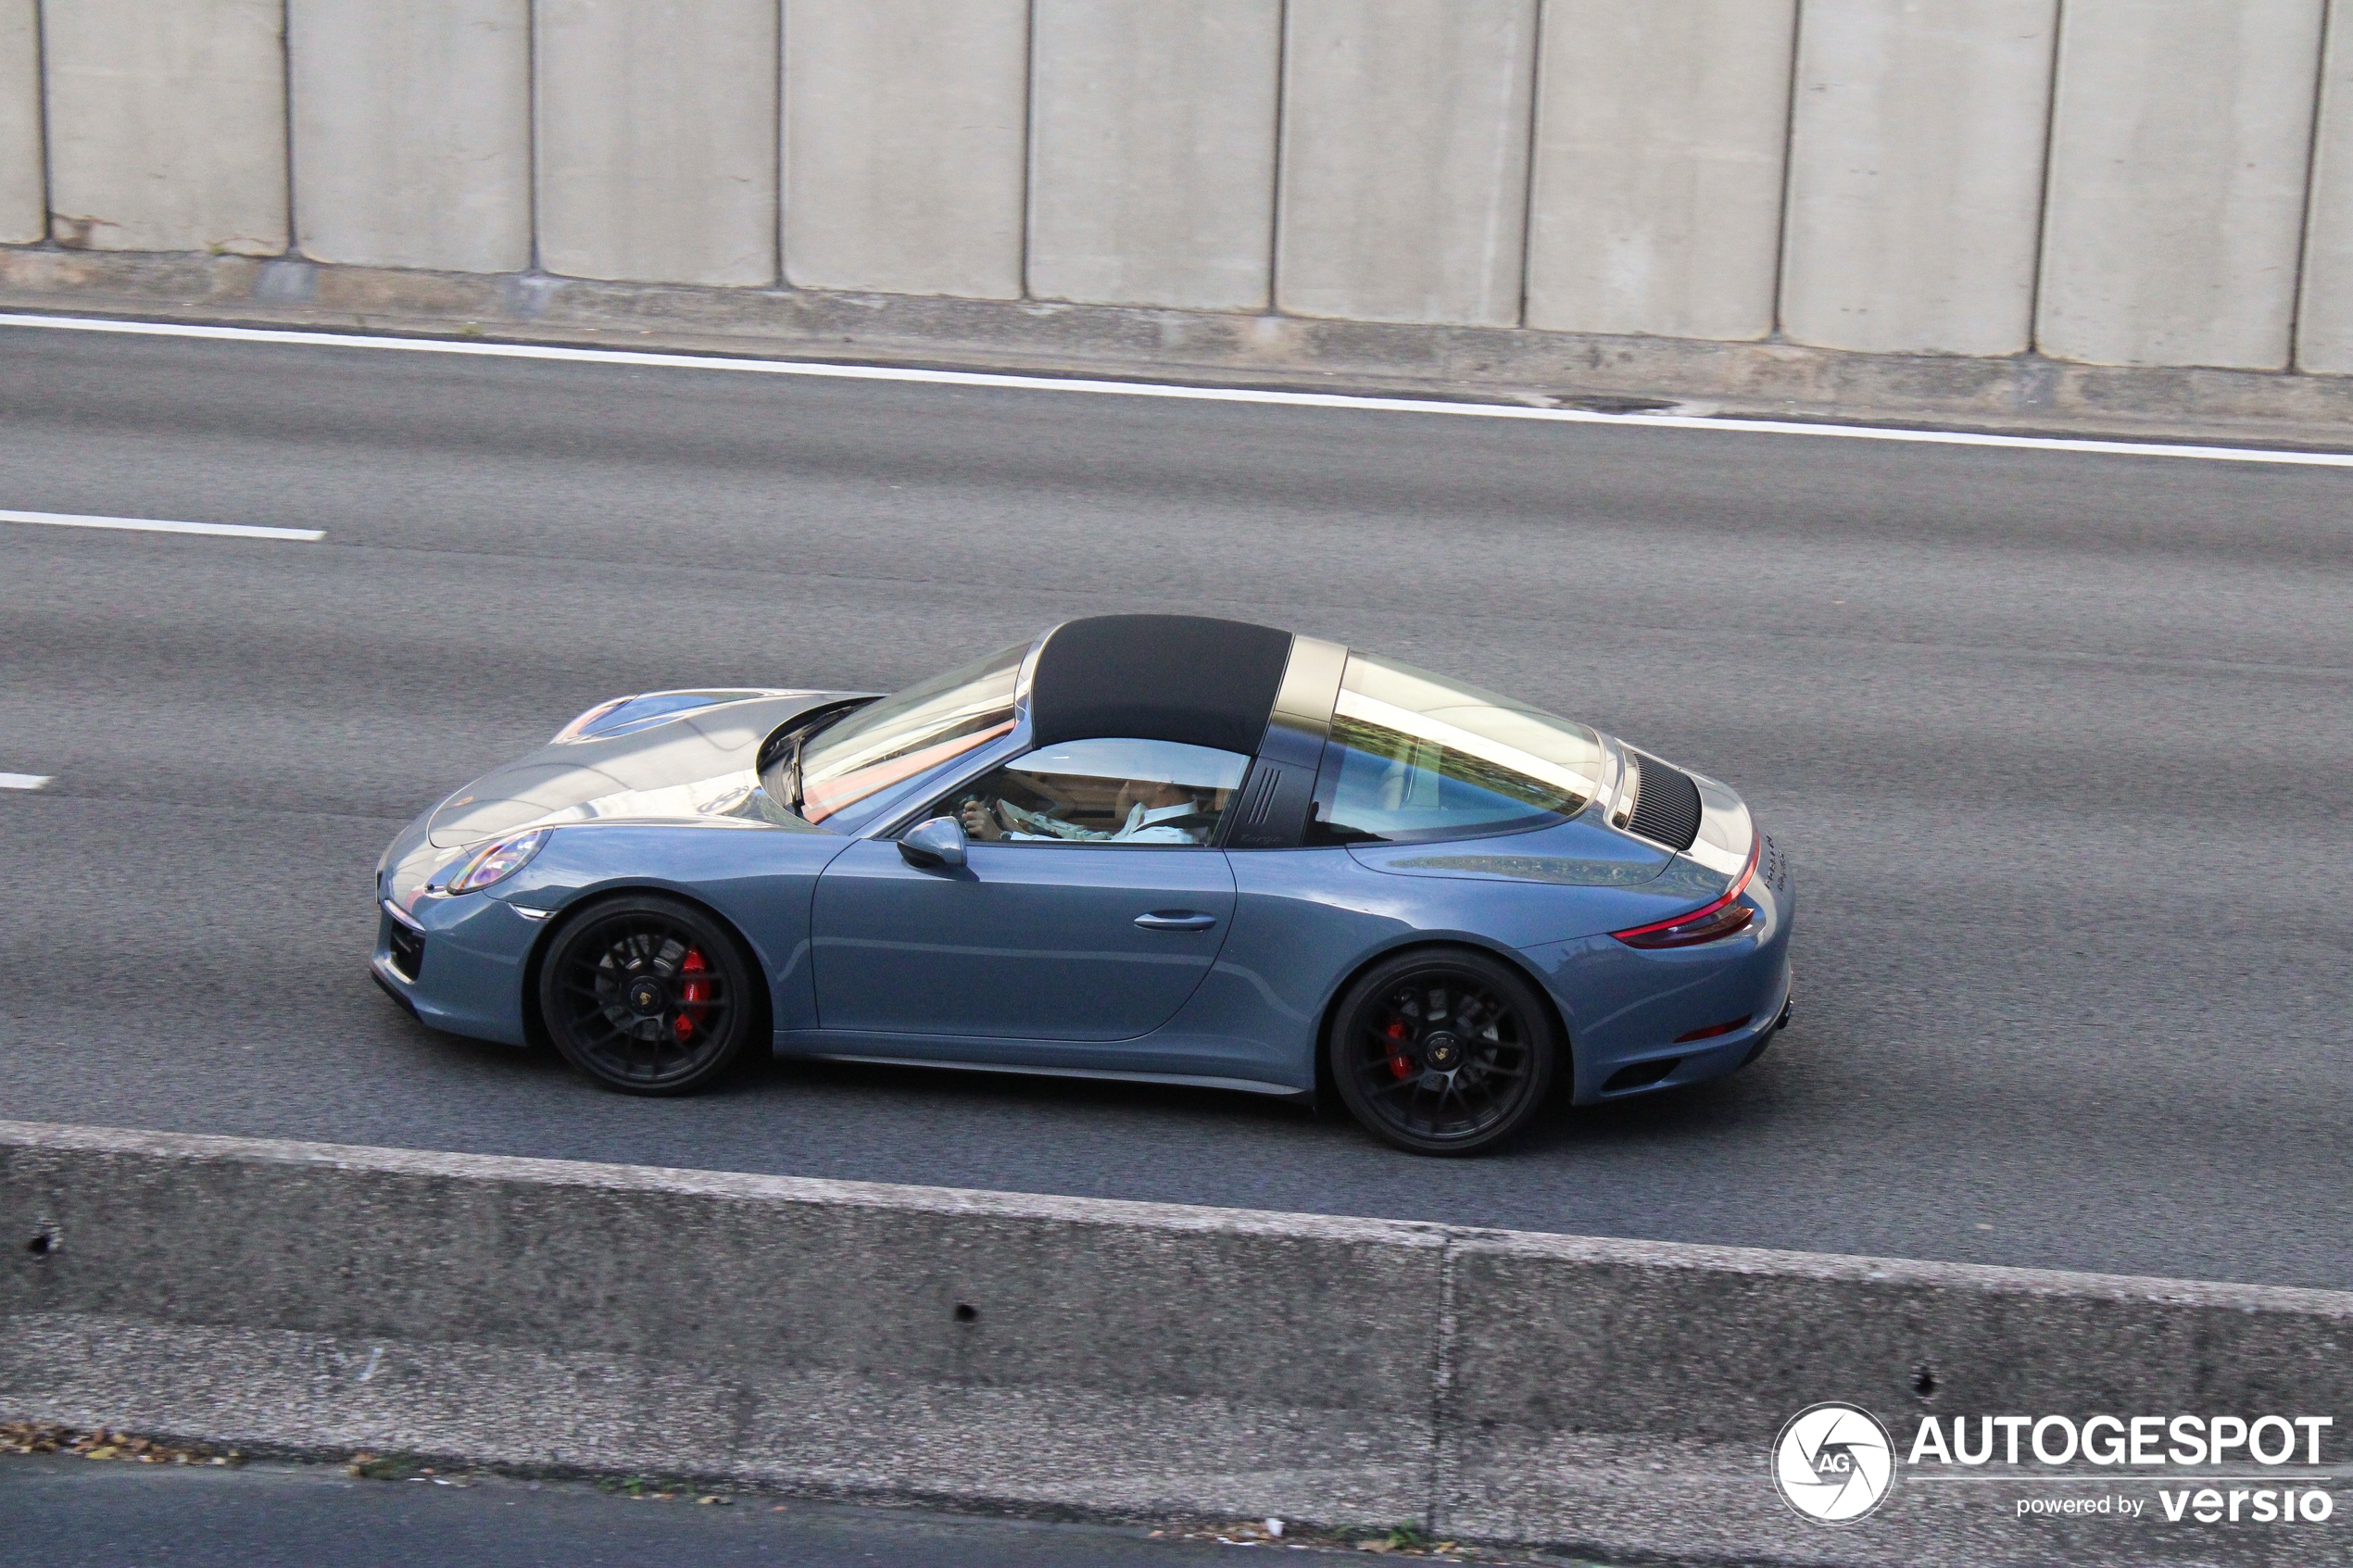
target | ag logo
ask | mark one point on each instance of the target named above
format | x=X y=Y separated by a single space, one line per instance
x=1833 y=1463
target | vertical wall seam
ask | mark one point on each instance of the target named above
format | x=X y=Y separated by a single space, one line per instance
x=41 y=117
x=286 y=111
x=2312 y=182
x=1535 y=141
x=2043 y=189
x=780 y=279
x=531 y=129
x=1441 y=1390
x=1774 y=325
x=1282 y=136
x=1028 y=135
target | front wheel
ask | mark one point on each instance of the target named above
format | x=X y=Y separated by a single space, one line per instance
x=1444 y=1052
x=649 y=995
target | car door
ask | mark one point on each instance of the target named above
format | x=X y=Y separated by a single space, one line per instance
x=1090 y=906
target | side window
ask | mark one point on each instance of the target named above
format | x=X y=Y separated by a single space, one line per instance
x=1108 y=792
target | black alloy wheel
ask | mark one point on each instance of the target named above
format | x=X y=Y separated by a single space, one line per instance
x=1443 y=1052
x=648 y=996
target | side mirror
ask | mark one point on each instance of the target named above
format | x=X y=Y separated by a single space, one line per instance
x=939 y=842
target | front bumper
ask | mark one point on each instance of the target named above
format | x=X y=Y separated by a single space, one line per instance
x=456 y=963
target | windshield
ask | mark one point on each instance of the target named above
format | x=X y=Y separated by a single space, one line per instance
x=1416 y=757
x=903 y=736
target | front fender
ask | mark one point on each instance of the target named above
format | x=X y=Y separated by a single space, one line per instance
x=479 y=948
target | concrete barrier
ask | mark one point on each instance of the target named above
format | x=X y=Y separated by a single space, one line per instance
x=1506 y=364
x=2179 y=150
x=1655 y=201
x=1152 y=151
x=1404 y=159
x=994 y=1350
x=834 y=1336
x=1915 y=174
x=1608 y=1392
x=413 y=131
x=24 y=196
x=2324 y=312
x=1384 y=162
x=905 y=144
x=657 y=137
x=167 y=124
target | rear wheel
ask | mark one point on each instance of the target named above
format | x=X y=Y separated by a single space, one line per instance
x=1443 y=1051
x=649 y=995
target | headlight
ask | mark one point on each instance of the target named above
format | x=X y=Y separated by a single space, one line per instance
x=499 y=862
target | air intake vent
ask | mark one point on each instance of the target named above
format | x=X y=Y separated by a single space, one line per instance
x=1260 y=797
x=407 y=950
x=1666 y=803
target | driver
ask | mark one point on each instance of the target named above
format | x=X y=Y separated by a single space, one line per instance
x=1150 y=816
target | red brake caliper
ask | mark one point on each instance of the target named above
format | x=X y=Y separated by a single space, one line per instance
x=692 y=993
x=1398 y=1066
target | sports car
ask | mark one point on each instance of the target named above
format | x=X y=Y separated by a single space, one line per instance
x=1168 y=848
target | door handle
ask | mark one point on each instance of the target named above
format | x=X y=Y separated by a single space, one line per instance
x=1176 y=920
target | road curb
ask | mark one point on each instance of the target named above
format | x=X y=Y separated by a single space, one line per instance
x=2019 y=392
x=1002 y=1350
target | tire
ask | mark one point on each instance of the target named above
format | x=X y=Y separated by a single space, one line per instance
x=1442 y=1051
x=649 y=995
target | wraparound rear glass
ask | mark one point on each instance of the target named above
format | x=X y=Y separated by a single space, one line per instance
x=1415 y=758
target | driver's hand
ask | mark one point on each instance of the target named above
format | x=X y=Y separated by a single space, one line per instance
x=979 y=822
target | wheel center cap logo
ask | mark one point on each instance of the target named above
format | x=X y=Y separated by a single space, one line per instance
x=1441 y=1051
x=1833 y=1463
x=646 y=996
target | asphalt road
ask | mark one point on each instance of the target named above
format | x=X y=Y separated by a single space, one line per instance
x=77 y=1513
x=2060 y=744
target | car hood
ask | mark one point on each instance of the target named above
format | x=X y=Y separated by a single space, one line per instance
x=693 y=765
x=699 y=766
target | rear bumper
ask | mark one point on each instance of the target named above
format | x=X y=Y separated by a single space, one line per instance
x=1641 y=1020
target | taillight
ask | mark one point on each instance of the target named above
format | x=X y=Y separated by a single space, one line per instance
x=1726 y=917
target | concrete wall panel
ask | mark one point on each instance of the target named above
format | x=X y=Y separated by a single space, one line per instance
x=1660 y=131
x=656 y=126
x=24 y=205
x=1152 y=151
x=2324 y=319
x=166 y=123
x=413 y=131
x=1915 y=174
x=1404 y=159
x=2179 y=148
x=906 y=132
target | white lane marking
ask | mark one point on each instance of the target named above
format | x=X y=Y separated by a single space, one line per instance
x=23 y=781
x=161 y=525
x=1196 y=393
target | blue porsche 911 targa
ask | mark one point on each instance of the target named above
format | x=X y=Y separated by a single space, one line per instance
x=1159 y=848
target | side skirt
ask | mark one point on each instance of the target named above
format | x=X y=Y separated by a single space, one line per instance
x=1242 y=1086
